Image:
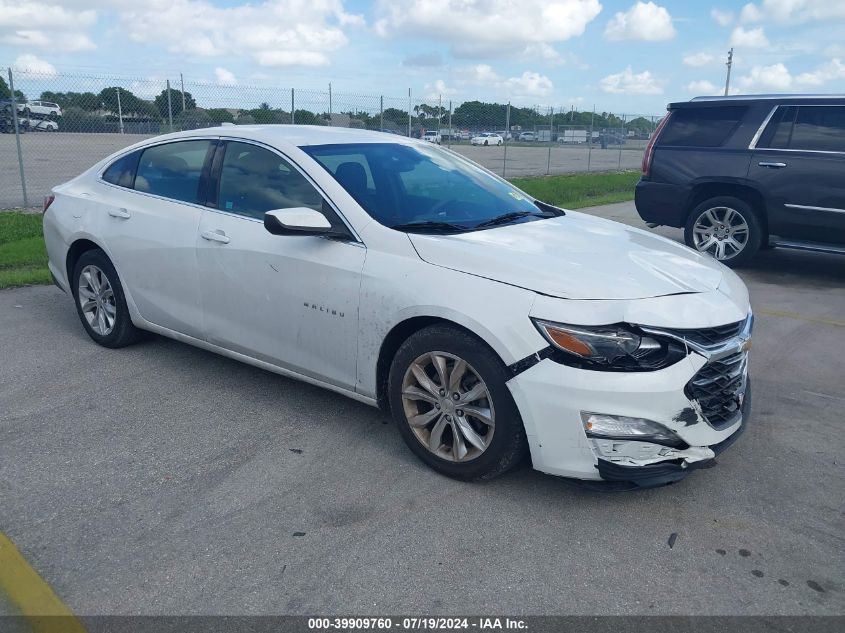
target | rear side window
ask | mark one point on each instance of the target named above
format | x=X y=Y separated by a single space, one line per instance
x=122 y=171
x=254 y=180
x=701 y=127
x=173 y=170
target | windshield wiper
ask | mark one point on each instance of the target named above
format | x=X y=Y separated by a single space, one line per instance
x=429 y=226
x=508 y=217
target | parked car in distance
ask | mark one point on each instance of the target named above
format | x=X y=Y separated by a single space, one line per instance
x=742 y=173
x=432 y=136
x=507 y=136
x=486 y=138
x=465 y=135
x=40 y=108
x=490 y=324
x=527 y=136
x=42 y=125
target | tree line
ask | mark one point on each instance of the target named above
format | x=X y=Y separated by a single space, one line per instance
x=85 y=107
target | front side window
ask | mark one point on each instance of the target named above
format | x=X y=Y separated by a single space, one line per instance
x=173 y=170
x=706 y=126
x=254 y=180
x=400 y=184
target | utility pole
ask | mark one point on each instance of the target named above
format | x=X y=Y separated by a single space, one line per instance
x=330 y=104
x=729 y=64
x=119 y=111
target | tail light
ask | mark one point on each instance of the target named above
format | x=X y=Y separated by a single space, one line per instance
x=649 y=150
x=48 y=200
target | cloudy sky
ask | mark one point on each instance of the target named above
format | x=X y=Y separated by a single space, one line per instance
x=617 y=54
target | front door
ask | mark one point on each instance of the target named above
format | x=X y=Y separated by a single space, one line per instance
x=287 y=300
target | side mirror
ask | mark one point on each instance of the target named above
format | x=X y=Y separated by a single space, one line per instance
x=297 y=221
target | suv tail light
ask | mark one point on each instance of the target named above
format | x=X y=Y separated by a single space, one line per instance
x=649 y=150
x=48 y=200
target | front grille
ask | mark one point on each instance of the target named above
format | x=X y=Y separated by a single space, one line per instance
x=710 y=336
x=718 y=387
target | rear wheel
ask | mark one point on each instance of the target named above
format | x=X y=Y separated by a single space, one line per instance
x=725 y=228
x=100 y=301
x=449 y=399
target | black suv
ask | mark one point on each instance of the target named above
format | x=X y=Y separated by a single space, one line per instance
x=745 y=172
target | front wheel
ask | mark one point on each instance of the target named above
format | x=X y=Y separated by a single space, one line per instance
x=726 y=228
x=498 y=142
x=485 y=143
x=449 y=399
x=100 y=301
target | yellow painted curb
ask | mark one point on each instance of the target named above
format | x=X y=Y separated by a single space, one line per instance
x=33 y=597
x=799 y=317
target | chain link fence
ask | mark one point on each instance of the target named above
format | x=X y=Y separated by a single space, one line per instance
x=53 y=127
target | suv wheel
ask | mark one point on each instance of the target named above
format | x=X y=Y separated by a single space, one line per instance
x=726 y=228
x=100 y=302
x=449 y=399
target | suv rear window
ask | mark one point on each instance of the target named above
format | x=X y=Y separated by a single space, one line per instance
x=701 y=127
x=810 y=128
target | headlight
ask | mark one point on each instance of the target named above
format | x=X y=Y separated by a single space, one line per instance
x=615 y=427
x=610 y=347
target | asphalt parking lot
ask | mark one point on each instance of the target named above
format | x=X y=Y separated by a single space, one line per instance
x=161 y=479
x=51 y=158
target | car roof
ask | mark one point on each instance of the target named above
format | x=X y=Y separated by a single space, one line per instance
x=294 y=134
x=789 y=99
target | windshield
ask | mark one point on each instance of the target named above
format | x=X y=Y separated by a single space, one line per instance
x=427 y=188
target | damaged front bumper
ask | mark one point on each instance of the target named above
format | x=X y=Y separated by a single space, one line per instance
x=551 y=398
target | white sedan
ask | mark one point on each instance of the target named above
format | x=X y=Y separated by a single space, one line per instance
x=486 y=138
x=489 y=324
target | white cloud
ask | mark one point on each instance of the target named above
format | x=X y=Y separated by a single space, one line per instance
x=225 y=77
x=777 y=77
x=723 y=18
x=32 y=64
x=628 y=82
x=45 y=25
x=750 y=38
x=529 y=84
x=481 y=74
x=793 y=11
x=766 y=78
x=698 y=59
x=273 y=33
x=703 y=87
x=643 y=21
x=438 y=89
x=832 y=70
x=486 y=27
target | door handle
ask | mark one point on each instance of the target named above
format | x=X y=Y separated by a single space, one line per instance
x=215 y=236
x=123 y=214
x=772 y=165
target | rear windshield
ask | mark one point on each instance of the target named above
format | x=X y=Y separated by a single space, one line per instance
x=701 y=127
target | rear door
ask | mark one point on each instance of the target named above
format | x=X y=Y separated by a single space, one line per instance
x=799 y=163
x=153 y=210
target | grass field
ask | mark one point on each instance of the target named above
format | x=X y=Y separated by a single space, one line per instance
x=575 y=191
x=23 y=258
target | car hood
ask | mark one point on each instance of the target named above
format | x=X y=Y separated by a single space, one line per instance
x=575 y=256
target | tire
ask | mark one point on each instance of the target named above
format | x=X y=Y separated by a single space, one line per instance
x=485 y=143
x=717 y=226
x=498 y=142
x=92 y=270
x=491 y=447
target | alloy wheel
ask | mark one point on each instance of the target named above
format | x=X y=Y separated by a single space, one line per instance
x=97 y=300
x=448 y=406
x=720 y=231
